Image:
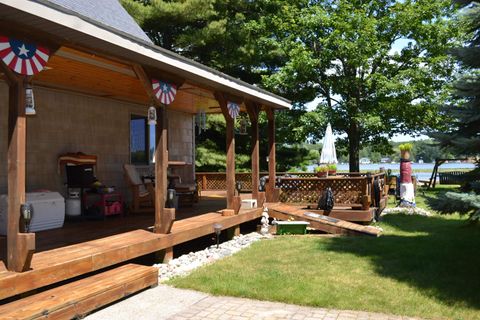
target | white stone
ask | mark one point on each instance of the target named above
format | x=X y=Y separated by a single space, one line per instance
x=185 y=264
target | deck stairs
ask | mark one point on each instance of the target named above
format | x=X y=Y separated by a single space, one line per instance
x=70 y=281
x=76 y=299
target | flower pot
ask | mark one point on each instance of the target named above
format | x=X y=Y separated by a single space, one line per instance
x=332 y=172
x=405 y=154
x=322 y=174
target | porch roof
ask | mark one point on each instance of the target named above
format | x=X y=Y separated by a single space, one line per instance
x=63 y=26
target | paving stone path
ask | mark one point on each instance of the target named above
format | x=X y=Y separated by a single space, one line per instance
x=246 y=309
x=164 y=302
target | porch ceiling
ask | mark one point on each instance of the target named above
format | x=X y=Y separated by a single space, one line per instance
x=78 y=71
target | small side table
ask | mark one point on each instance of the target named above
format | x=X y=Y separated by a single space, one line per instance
x=107 y=204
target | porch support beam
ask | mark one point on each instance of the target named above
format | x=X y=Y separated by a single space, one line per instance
x=162 y=220
x=230 y=140
x=164 y=217
x=271 y=155
x=253 y=109
x=20 y=245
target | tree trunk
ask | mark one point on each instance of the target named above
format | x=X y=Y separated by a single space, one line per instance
x=354 y=147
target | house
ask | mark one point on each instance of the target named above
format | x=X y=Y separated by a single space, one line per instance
x=93 y=73
x=365 y=161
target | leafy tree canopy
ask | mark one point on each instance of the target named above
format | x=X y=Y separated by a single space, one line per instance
x=337 y=50
x=341 y=51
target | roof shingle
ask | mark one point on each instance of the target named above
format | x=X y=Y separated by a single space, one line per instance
x=107 y=12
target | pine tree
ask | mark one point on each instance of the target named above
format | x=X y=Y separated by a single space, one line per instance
x=464 y=136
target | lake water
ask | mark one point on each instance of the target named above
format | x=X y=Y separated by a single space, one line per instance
x=426 y=168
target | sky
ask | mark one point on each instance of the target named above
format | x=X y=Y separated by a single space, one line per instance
x=397 y=46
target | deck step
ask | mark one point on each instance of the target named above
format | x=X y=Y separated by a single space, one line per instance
x=76 y=299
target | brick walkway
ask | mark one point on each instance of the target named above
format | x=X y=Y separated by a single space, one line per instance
x=164 y=302
x=245 y=309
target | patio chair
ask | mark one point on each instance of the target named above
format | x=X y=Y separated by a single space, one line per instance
x=143 y=194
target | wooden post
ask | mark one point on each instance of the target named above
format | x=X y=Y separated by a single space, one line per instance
x=253 y=110
x=163 y=217
x=230 y=139
x=20 y=246
x=271 y=155
x=232 y=200
x=161 y=166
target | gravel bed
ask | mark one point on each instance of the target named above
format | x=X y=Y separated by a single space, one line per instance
x=186 y=263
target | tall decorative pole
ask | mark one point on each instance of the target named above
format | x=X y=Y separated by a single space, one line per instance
x=407 y=192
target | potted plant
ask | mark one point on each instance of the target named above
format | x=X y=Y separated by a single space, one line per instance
x=322 y=171
x=405 y=150
x=332 y=169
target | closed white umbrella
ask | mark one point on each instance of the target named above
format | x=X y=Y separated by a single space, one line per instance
x=329 y=155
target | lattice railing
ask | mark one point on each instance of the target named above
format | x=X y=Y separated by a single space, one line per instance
x=346 y=190
x=217 y=180
x=305 y=187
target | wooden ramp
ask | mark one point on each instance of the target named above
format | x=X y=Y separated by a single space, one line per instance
x=352 y=214
x=75 y=299
x=52 y=266
x=318 y=221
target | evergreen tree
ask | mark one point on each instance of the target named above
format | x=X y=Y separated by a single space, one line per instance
x=464 y=135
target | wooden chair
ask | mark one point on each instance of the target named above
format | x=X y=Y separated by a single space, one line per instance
x=143 y=194
x=186 y=193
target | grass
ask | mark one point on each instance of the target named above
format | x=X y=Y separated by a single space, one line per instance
x=421 y=266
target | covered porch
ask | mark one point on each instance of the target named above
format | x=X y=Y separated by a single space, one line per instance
x=94 y=81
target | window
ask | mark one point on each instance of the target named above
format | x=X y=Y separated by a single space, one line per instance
x=142 y=140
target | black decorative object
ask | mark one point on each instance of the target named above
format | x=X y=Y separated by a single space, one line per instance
x=263 y=183
x=238 y=187
x=217 y=227
x=26 y=209
x=327 y=200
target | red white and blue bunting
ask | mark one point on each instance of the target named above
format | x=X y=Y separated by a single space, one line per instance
x=233 y=109
x=165 y=92
x=23 y=58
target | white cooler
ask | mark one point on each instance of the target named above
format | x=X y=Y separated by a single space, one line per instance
x=48 y=211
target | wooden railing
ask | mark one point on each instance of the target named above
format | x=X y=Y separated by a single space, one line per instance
x=347 y=191
x=217 y=180
x=353 y=189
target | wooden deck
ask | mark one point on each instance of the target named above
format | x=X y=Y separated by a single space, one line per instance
x=53 y=265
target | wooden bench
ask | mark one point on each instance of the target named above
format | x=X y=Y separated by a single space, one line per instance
x=75 y=299
x=452 y=177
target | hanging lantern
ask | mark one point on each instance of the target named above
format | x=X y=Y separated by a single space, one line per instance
x=29 y=101
x=152 y=116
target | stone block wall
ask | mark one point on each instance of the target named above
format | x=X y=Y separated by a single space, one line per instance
x=69 y=122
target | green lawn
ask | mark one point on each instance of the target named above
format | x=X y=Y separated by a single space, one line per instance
x=422 y=266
